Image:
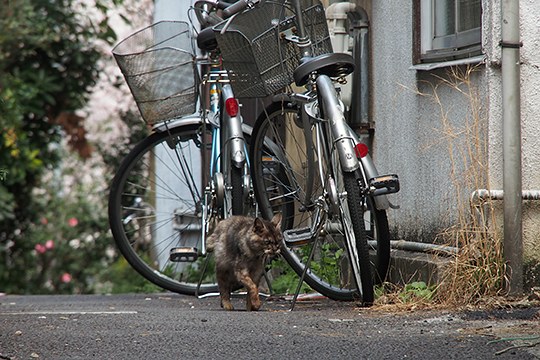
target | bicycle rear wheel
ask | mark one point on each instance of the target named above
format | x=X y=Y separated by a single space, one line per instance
x=285 y=180
x=156 y=204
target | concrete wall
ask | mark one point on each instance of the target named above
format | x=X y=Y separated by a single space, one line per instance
x=431 y=129
x=419 y=118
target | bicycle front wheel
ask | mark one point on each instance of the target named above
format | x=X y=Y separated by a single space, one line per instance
x=156 y=203
x=288 y=180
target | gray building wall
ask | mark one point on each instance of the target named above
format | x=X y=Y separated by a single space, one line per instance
x=419 y=118
x=442 y=135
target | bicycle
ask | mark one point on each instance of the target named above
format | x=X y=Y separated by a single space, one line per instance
x=191 y=170
x=305 y=159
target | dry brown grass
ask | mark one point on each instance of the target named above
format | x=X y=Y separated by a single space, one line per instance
x=478 y=270
x=477 y=273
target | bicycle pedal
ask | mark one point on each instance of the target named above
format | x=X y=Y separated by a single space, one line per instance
x=298 y=237
x=385 y=184
x=184 y=254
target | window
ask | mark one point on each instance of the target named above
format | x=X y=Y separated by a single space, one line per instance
x=447 y=29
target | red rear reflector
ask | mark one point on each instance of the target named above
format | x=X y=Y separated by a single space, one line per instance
x=231 y=106
x=361 y=150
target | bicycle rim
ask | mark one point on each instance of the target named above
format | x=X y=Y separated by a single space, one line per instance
x=279 y=186
x=156 y=204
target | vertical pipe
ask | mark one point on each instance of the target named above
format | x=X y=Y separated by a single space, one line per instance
x=364 y=66
x=360 y=102
x=513 y=243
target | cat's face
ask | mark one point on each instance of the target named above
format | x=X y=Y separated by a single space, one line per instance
x=270 y=237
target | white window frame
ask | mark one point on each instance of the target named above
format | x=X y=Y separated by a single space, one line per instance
x=458 y=45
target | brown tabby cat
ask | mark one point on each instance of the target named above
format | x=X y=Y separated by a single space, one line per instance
x=241 y=246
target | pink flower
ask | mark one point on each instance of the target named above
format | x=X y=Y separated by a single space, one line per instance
x=73 y=222
x=66 y=278
x=49 y=245
x=44 y=221
x=40 y=248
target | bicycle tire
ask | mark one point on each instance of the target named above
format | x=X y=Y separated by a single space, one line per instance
x=380 y=232
x=360 y=255
x=237 y=190
x=287 y=181
x=172 y=218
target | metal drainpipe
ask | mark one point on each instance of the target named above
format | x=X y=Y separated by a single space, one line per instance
x=338 y=13
x=479 y=197
x=360 y=29
x=419 y=247
x=482 y=194
x=513 y=226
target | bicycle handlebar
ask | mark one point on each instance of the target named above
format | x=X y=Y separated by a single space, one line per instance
x=235 y=8
x=216 y=3
x=206 y=13
x=229 y=9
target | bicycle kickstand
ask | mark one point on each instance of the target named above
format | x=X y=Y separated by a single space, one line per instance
x=301 y=281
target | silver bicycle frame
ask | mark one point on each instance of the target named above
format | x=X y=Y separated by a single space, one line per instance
x=342 y=139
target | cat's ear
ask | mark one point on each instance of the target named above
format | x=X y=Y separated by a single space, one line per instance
x=276 y=220
x=258 y=226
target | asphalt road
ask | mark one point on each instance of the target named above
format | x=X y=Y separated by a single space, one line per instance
x=170 y=326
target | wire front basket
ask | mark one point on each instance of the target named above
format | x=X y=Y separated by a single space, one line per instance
x=158 y=65
x=259 y=60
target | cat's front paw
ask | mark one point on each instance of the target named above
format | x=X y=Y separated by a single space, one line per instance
x=254 y=305
x=227 y=305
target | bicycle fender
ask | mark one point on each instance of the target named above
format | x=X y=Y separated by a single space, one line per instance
x=370 y=171
x=194 y=119
x=233 y=124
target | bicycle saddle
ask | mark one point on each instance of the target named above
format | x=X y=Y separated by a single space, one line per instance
x=332 y=65
x=206 y=40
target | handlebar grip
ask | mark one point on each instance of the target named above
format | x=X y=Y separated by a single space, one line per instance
x=222 y=5
x=235 y=8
